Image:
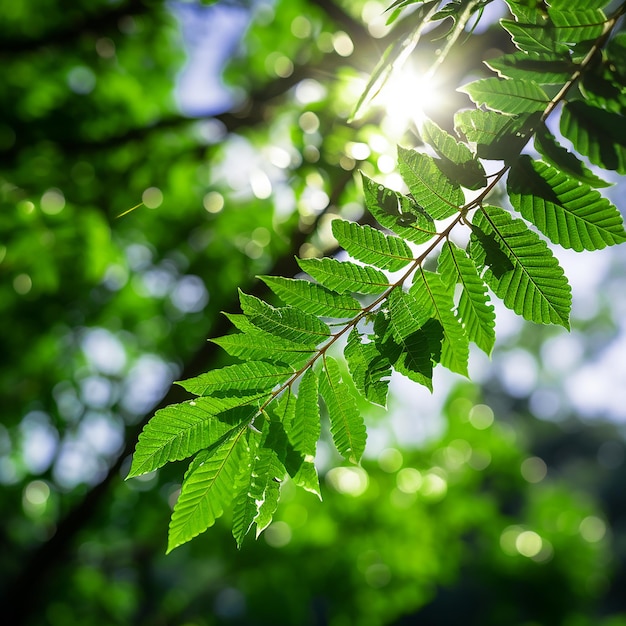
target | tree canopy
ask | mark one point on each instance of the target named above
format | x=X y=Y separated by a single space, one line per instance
x=385 y=240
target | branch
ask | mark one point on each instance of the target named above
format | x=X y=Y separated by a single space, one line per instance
x=57 y=550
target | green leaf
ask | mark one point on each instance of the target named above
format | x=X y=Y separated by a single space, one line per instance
x=474 y=309
x=369 y=245
x=180 y=430
x=343 y=276
x=250 y=376
x=540 y=38
x=555 y=154
x=208 y=487
x=346 y=423
x=578 y=25
x=245 y=507
x=312 y=298
x=286 y=322
x=269 y=472
x=369 y=369
x=455 y=343
x=410 y=339
x=260 y=345
x=398 y=213
x=596 y=133
x=307 y=478
x=415 y=343
x=457 y=161
x=577 y=5
x=535 y=286
x=602 y=86
x=439 y=196
x=568 y=212
x=305 y=429
x=540 y=67
x=511 y=96
x=497 y=136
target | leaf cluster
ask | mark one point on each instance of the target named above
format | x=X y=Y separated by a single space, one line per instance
x=257 y=422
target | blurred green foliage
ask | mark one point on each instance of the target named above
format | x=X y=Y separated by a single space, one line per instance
x=101 y=313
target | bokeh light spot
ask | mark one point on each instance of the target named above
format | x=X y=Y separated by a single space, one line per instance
x=52 y=202
x=592 y=529
x=481 y=416
x=213 y=202
x=534 y=469
x=277 y=534
x=351 y=481
x=152 y=197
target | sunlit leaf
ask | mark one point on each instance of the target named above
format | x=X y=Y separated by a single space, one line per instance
x=474 y=309
x=342 y=276
x=512 y=96
x=369 y=369
x=208 y=487
x=286 y=322
x=250 y=376
x=438 y=195
x=398 y=213
x=312 y=298
x=568 y=212
x=369 y=245
x=455 y=343
x=596 y=133
x=534 y=286
x=346 y=423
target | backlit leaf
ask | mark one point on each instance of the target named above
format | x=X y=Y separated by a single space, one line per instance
x=343 y=276
x=439 y=196
x=369 y=245
x=180 y=430
x=305 y=428
x=208 y=487
x=474 y=309
x=346 y=423
x=596 y=133
x=455 y=343
x=369 y=369
x=286 y=322
x=398 y=213
x=513 y=96
x=312 y=298
x=534 y=286
x=567 y=211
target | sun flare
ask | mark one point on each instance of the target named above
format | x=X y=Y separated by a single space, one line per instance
x=408 y=98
